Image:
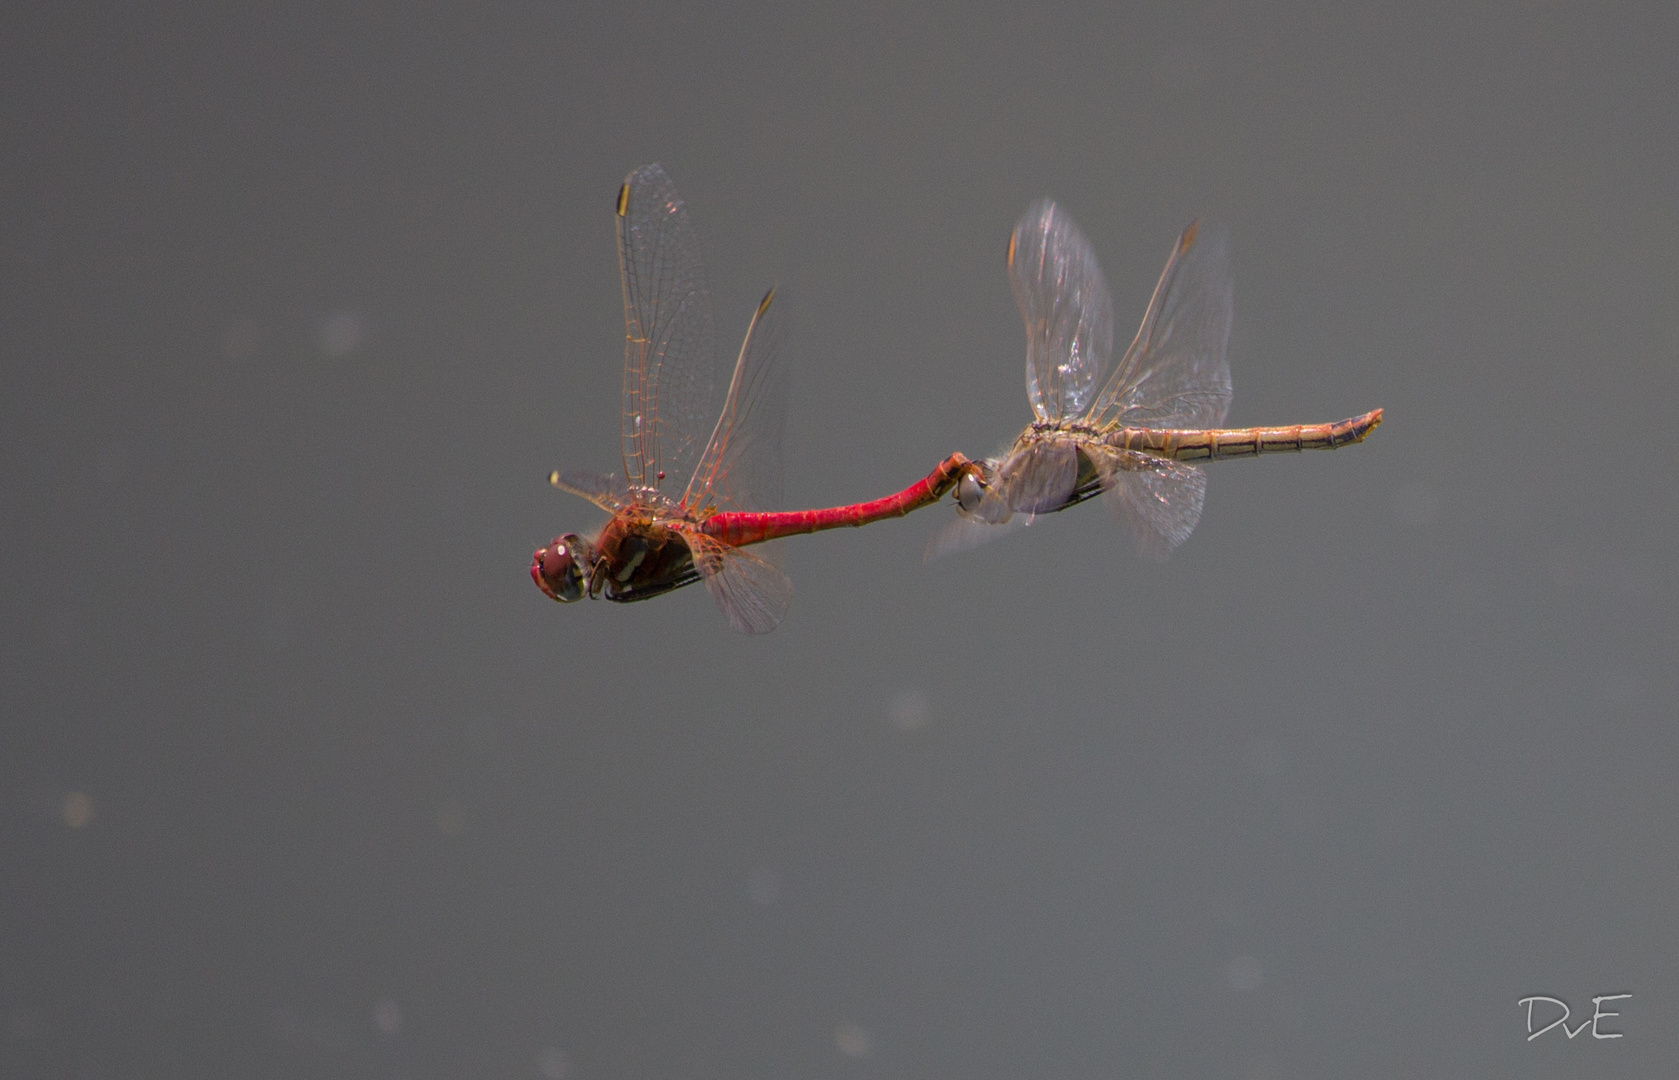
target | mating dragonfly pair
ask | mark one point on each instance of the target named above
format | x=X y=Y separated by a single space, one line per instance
x=1131 y=438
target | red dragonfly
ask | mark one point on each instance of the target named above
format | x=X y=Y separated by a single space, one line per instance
x=1134 y=437
x=663 y=536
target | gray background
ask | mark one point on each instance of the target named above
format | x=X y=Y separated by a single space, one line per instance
x=300 y=776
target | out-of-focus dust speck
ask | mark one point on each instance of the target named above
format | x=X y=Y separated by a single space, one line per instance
x=22 y=1025
x=1416 y=504
x=284 y=1025
x=1233 y=910
x=853 y=1040
x=909 y=710
x=451 y=817
x=1180 y=69
x=1563 y=562
x=1619 y=688
x=1246 y=974
x=63 y=629
x=481 y=735
x=77 y=810
x=387 y=1016
x=274 y=626
x=1266 y=756
x=341 y=334
x=112 y=465
x=165 y=1005
x=241 y=340
x=763 y=885
x=552 y=1063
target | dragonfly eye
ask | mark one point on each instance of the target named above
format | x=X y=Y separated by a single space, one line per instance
x=970 y=492
x=559 y=568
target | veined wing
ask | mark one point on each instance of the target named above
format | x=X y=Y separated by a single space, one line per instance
x=740 y=467
x=1176 y=373
x=1039 y=477
x=606 y=492
x=1157 y=500
x=962 y=533
x=1059 y=289
x=669 y=355
x=752 y=593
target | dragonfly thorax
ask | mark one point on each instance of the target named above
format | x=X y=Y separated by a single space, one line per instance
x=638 y=557
x=1077 y=427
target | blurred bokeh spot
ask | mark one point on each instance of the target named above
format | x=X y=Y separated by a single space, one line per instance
x=1416 y=504
x=853 y=1040
x=909 y=710
x=341 y=334
x=387 y=1016
x=77 y=810
x=1246 y=974
x=551 y=1062
x=763 y=885
x=451 y=817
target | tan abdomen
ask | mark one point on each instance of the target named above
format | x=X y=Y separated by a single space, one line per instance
x=1195 y=445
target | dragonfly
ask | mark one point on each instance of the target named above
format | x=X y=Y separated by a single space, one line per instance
x=693 y=491
x=1135 y=437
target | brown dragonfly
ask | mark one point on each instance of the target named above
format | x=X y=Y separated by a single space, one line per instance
x=1133 y=438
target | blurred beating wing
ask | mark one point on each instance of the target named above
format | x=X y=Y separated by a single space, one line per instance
x=740 y=467
x=963 y=533
x=752 y=593
x=669 y=357
x=606 y=492
x=1157 y=500
x=1039 y=478
x=1176 y=373
x=1059 y=289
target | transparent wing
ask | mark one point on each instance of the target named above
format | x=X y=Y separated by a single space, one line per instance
x=1157 y=500
x=1176 y=374
x=1059 y=289
x=1038 y=478
x=740 y=467
x=963 y=533
x=669 y=356
x=605 y=491
x=752 y=593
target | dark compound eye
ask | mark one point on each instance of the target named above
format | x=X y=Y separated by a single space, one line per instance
x=557 y=572
x=970 y=492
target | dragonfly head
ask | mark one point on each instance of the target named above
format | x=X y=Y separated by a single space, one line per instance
x=979 y=498
x=970 y=491
x=561 y=569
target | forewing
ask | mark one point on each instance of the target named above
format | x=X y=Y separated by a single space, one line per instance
x=1158 y=501
x=752 y=593
x=740 y=467
x=1176 y=373
x=963 y=533
x=1039 y=477
x=669 y=355
x=1069 y=315
x=606 y=492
